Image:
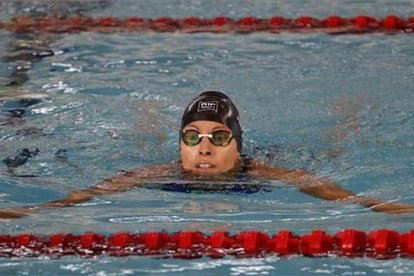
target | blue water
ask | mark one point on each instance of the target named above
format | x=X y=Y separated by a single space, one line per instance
x=338 y=106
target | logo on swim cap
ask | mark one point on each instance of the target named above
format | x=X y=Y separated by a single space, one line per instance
x=207 y=106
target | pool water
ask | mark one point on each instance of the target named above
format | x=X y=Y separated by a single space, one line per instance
x=337 y=106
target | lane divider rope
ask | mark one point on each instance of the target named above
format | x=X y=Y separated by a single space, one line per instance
x=333 y=24
x=379 y=244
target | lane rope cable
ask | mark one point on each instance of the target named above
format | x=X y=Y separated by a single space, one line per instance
x=334 y=24
x=379 y=244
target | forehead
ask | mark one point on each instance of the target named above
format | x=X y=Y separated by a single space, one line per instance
x=206 y=125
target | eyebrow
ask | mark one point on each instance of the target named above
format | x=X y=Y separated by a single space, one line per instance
x=220 y=128
x=214 y=129
x=192 y=126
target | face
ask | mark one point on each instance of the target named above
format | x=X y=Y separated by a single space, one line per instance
x=205 y=157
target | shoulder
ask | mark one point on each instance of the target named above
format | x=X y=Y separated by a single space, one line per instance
x=159 y=170
x=258 y=169
x=128 y=179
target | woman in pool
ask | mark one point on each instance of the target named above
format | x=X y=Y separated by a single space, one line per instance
x=210 y=149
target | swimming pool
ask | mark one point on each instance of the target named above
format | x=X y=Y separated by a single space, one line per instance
x=339 y=106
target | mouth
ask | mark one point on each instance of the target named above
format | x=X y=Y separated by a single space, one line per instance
x=205 y=166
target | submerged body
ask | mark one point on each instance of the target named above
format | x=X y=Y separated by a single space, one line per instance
x=190 y=181
x=210 y=150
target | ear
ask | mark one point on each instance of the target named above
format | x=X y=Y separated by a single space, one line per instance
x=179 y=146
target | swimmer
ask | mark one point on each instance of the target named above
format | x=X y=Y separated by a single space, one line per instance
x=211 y=146
x=20 y=95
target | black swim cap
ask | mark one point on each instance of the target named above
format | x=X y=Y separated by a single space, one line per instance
x=214 y=106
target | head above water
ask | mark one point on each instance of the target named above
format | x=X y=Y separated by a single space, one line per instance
x=217 y=107
x=211 y=115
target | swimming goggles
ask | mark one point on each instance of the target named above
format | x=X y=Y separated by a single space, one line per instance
x=217 y=138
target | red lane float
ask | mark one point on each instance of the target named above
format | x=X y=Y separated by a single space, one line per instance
x=333 y=24
x=379 y=244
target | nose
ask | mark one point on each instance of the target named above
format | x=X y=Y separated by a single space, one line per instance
x=205 y=147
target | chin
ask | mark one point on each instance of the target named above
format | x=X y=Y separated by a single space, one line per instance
x=206 y=171
x=203 y=171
